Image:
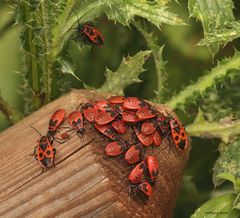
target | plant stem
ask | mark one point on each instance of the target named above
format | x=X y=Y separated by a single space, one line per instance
x=161 y=75
x=46 y=65
x=11 y=114
x=158 y=60
x=31 y=55
x=34 y=70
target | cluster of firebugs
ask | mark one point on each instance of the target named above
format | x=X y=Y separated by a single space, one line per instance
x=112 y=118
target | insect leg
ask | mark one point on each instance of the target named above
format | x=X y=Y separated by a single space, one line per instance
x=54 y=151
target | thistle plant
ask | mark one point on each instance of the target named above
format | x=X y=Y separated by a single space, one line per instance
x=47 y=30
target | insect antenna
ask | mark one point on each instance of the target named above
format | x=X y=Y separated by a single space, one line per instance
x=36 y=130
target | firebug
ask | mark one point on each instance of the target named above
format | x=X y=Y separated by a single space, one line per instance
x=134 y=103
x=138 y=173
x=105 y=117
x=90 y=111
x=107 y=130
x=119 y=126
x=116 y=99
x=146 y=188
x=179 y=135
x=103 y=105
x=56 y=120
x=129 y=117
x=134 y=153
x=90 y=35
x=148 y=127
x=44 y=152
x=114 y=148
x=75 y=120
x=146 y=113
x=157 y=140
x=152 y=165
x=144 y=139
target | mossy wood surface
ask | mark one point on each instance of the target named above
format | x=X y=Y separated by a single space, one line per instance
x=84 y=182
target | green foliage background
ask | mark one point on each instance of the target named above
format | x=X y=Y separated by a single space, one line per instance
x=194 y=66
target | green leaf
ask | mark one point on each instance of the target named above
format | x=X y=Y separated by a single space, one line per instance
x=227 y=176
x=224 y=101
x=67 y=68
x=231 y=178
x=123 y=11
x=127 y=73
x=219 y=207
x=222 y=36
x=214 y=15
x=207 y=82
x=228 y=162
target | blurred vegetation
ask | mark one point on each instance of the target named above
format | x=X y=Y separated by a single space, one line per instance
x=194 y=66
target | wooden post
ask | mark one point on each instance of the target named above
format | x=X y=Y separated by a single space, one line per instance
x=84 y=182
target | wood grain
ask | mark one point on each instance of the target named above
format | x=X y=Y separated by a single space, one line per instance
x=84 y=182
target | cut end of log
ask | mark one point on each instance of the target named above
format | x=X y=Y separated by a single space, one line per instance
x=85 y=182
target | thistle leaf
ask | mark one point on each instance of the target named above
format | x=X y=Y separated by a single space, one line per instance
x=228 y=162
x=67 y=68
x=124 y=11
x=126 y=74
x=224 y=100
x=214 y=15
x=223 y=35
x=226 y=129
x=207 y=82
x=229 y=177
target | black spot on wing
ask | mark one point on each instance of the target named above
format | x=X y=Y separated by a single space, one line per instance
x=182 y=144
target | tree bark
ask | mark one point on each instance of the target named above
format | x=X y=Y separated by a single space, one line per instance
x=84 y=182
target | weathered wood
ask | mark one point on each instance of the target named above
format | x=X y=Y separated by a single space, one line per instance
x=84 y=183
